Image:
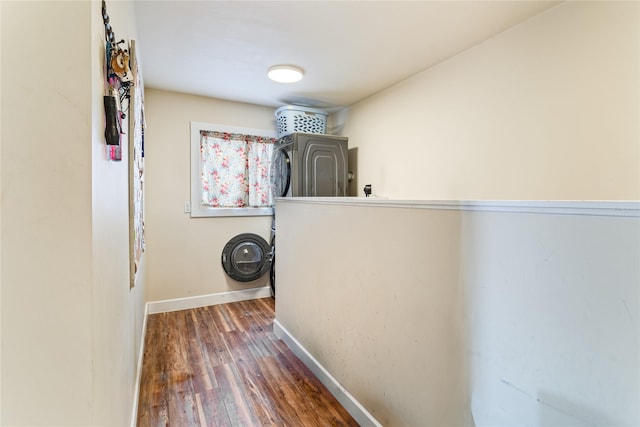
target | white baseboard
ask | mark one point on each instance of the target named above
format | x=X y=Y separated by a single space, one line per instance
x=176 y=304
x=357 y=411
x=136 y=388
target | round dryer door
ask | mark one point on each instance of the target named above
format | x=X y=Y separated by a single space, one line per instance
x=246 y=257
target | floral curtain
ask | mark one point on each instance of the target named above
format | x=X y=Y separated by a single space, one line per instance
x=235 y=170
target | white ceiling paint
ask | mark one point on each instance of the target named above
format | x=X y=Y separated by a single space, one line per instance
x=348 y=49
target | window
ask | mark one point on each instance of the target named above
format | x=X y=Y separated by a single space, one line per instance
x=230 y=170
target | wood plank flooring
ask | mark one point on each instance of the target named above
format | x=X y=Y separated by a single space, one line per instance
x=223 y=366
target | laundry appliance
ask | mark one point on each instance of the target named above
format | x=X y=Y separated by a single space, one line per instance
x=310 y=165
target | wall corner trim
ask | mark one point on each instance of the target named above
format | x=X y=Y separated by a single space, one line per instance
x=176 y=304
x=616 y=208
x=357 y=411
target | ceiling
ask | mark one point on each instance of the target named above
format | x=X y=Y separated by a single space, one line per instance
x=348 y=49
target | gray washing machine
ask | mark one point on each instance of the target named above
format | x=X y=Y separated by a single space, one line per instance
x=310 y=165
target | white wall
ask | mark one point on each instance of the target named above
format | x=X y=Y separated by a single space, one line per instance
x=426 y=316
x=553 y=314
x=69 y=321
x=183 y=253
x=545 y=110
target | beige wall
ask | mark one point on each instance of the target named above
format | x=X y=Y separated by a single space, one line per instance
x=70 y=325
x=0 y=219
x=46 y=218
x=183 y=253
x=118 y=312
x=546 y=110
x=373 y=295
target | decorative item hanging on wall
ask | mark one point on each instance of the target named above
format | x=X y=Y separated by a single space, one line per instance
x=136 y=169
x=124 y=93
x=119 y=80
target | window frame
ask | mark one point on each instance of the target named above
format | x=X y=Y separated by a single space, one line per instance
x=197 y=209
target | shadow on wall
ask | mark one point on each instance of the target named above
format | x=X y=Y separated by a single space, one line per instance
x=353 y=172
x=235 y=285
x=551 y=342
x=556 y=410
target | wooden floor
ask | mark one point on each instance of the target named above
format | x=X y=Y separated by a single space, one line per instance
x=223 y=366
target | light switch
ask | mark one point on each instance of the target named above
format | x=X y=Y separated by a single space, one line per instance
x=187 y=207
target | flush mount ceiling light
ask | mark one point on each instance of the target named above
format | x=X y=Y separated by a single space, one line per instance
x=285 y=73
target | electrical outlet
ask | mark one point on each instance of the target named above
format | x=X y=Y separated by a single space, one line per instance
x=187 y=207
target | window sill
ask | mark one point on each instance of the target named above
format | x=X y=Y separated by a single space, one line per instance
x=203 y=212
